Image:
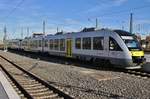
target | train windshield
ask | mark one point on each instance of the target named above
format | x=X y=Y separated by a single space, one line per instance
x=132 y=43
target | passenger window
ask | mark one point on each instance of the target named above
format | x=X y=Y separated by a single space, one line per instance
x=78 y=43
x=31 y=43
x=56 y=44
x=86 y=43
x=35 y=43
x=51 y=44
x=46 y=43
x=98 y=43
x=62 y=44
x=113 y=45
x=40 y=44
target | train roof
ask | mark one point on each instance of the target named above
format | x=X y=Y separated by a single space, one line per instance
x=123 y=33
x=16 y=39
x=61 y=34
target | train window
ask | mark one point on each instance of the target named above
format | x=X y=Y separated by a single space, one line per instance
x=51 y=44
x=86 y=43
x=33 y=44
x=78 y=43
x=23 y=43
x=46 y=43
x=113 y=45
x=62 y=44
x=98 y=43
x=56 y=44
x=40 y=44
x=36 y=43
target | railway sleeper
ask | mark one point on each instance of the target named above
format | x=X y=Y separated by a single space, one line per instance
x=31 y=85
x=40 y=90
x=25 y=80
x=23 y=76
x=26 y=83
x=57 y=97
x=42 y=94
x=12 y=71
x=47 y=96
x=15 y=72
x=35 y=87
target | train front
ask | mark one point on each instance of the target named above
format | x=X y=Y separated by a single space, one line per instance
x=135 y=50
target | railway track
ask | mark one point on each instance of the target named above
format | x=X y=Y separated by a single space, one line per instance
x=138 y=73
x=28 y=85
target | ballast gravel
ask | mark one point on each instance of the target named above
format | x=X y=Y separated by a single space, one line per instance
x=86 y=83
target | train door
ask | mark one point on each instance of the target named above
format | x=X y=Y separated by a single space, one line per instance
x=106 y=45
x=69 y=48
x=115 y=50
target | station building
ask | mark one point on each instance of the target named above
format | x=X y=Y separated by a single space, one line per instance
x=145 y=41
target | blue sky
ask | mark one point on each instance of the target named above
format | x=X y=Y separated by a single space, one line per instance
x=72 y=15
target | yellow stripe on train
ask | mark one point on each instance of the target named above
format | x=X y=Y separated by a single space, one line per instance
x=137 y=53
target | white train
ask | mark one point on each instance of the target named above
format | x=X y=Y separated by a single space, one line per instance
x=118 y=47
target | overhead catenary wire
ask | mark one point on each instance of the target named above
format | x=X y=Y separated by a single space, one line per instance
x=126 y=10
x=104 y=14
x=123 y=11
x=120 y=11
x=14 y=9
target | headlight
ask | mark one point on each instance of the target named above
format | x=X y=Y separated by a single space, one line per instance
x=130 y=53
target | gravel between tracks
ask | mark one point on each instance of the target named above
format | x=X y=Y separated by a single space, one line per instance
x=85 y=83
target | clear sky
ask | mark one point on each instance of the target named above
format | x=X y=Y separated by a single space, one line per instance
x=72 y=15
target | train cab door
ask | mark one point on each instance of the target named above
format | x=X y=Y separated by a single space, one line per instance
x=115 y=50
x=69 y=48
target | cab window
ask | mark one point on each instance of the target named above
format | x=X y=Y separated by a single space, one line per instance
x=113 y=45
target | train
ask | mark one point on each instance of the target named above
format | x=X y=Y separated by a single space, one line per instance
x=118 y=47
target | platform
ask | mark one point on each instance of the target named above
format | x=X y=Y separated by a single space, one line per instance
x=6 y=90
